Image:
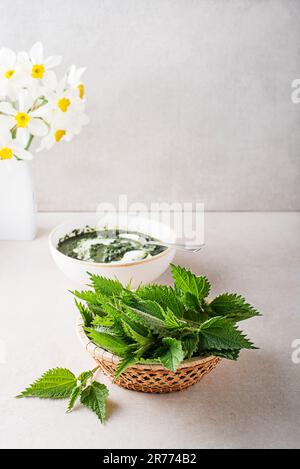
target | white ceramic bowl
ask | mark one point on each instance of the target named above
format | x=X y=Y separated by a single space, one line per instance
x=142 y=271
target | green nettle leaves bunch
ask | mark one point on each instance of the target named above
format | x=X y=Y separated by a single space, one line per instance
x=153 y=324
x=163 y=324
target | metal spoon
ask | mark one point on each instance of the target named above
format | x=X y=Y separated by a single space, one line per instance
x=181 y=246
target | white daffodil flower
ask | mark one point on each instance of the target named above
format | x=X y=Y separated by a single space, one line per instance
x=55 y=135
x=38 y=68
x=27 y=118
x=10 y=74
x=65 y=114
x=34 y=103
x=63 y=128
x=62 y=100
x=10 y=147
x=74 y=80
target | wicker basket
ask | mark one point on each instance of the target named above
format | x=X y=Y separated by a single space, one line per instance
x=149 y=378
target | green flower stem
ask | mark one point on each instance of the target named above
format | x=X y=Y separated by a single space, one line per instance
x=29 y=142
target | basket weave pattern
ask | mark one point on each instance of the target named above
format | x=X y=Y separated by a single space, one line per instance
x=149 y=378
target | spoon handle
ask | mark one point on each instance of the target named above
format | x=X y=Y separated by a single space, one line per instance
x=181 y=246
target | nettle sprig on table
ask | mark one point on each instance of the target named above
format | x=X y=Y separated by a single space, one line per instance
x=34 y=103
x=153 y=324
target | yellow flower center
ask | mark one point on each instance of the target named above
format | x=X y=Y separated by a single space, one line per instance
x=59 y=135
x=38 y=71
x=81 y=90
x=6 y=153
x=9 y=73
x=22 y=119
x=63 y=104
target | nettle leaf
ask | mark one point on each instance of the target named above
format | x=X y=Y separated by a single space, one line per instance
x=106 y=286
x=85 y=313
x=56 y=383
x=111 y=307
x=197 y=310
x=128 y=297
x=184 y=280
x=113 y=344
x=86 y=295
x=151 y=322
x=232 y=306
x=190 y=344
x=94 y=397
x=149 y=361
x=192 y=315
x=60 y=383
x=85 y=375
x=191 y=301
x=134 y=335
x=203 y=286
x=102 y=321
x=221 y=334
x=134 y=323
x=124 y=364
x=73 y=398
x=165 y=296
x=229 y=354
x=92 y=300
x=188 y=282
x=173 y=354
x=150 y=307
x=172 y=322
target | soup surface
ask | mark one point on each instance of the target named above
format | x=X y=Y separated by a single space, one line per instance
x=108 y=245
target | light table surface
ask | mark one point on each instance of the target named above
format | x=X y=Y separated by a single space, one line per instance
x=250 y=403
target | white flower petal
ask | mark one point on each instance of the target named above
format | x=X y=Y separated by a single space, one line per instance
x=5 y=137
x=71 y=70
x=74 y=75
x=7 y=58
x=7 y=122
x=36 y=53
x=37 y=127
x=25 y=100
x=22 y=137
x=50 y=80
x=42 y=111
x=23 y=61
x=21 y=153
x=64 y=81
x=80 y=71
x=7 y=108
x=46 y=143
x=52 y=61
x=34 y=88
x=61 y=86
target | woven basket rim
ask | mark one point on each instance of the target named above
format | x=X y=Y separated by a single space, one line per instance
x=103 y=355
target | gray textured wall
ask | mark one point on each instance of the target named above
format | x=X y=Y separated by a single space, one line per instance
x=188 y=100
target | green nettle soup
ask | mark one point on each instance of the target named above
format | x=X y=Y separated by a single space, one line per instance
x=108 y=245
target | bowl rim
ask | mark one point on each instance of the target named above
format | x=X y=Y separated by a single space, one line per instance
x=101 y=354
x=100 y=264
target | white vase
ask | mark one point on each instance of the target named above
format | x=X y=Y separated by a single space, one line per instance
x=17 y=202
